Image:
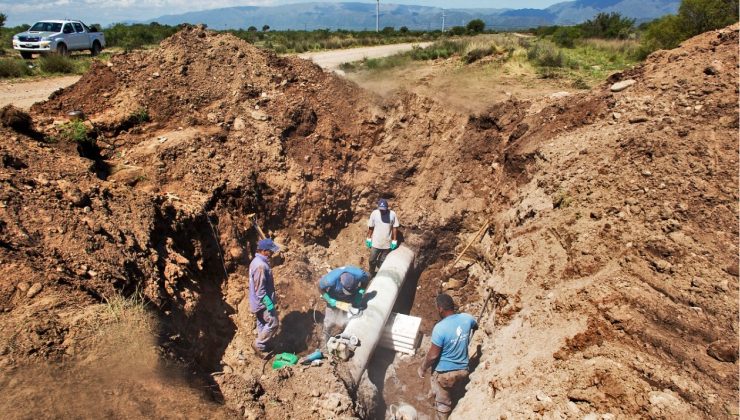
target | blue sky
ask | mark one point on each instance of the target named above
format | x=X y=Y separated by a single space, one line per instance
x=108 y=11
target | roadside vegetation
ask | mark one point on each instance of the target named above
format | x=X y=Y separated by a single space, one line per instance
x=584 y=54
x=586 y=64
x=49 y=65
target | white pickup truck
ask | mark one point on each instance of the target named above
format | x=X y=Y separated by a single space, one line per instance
x=58 y=36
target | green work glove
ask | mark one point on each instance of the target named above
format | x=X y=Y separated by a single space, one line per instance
x=329 y=300
x=268 y=303
x=394 y=245
x=358 y=297
x=368 y=242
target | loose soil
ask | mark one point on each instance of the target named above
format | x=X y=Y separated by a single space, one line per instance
x=611 y=260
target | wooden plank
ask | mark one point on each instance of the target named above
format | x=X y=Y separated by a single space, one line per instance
x=482 y=230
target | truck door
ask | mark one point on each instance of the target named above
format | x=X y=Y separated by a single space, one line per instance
x=81 y=40
x=69 y=36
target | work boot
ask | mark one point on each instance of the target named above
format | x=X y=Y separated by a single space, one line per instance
x=262 y=354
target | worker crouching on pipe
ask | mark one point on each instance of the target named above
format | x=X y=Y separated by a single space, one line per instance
x=343 y=290
x=448 y=354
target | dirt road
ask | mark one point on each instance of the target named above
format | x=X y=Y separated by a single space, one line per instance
x=331 y=60
x=23 y=94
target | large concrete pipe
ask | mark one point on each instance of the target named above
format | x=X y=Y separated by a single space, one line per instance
x=368 y=327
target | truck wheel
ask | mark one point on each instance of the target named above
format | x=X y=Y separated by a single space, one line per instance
x=95 y=50
x=26 y=55
x=62 y=50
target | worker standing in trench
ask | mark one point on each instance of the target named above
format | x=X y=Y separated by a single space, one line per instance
x=382 y=228
x=341 y=287
x=449 y=351
x=262 y=297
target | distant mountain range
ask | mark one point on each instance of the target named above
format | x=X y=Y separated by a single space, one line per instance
x=359 y=16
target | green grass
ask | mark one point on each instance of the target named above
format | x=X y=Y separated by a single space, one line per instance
x=437 y=50
x=140 y=116
x=589 y=61
x=75 y=131
x=122 y=308
x=54 y=63
x=14 y=67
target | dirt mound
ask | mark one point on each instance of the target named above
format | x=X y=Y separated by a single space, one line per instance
x=612 y=249
x=623 y=248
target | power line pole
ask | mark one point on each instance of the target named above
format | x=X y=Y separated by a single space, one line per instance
x=377 y=17
x=443 y=20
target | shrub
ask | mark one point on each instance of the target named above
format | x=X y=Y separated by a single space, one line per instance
x=607 y=25
x=439 y=49
x=140 y=116
x=13 y=67
x=694 y=17
x=476 y=26
x=579 y=83
x=134 y=36
x=348 y=67
x=54 y=63
x=457 y=30
x=546 y=53
x=478 y=53
x=565 y=36
x=77 y=132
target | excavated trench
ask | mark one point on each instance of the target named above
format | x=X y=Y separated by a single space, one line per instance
x=201 y=315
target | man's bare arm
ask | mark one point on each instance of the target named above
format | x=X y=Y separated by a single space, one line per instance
x=432 y=356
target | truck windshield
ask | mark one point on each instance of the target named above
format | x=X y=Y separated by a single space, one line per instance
x=46 y=27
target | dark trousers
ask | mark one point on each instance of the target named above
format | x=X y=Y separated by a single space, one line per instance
x=377 y=256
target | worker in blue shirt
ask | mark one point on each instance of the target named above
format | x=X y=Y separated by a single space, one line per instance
x=449 y=350
x=343 y=286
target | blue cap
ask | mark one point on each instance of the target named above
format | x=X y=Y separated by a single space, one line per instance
x=383 y=204
x=349 y=283
x=267 y=245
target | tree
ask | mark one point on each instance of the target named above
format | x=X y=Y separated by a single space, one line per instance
x=694 y=17
x=252 y=29
x=265 y=28
x=663 y=33
x=476 y=26
x=700 y=16
x=388 y=30
x=607 y=25
x=403 y=29
x=2 y=19
x=457 y=30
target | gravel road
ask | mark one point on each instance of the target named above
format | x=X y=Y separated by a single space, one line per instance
x=331 y=60
x=25 y=93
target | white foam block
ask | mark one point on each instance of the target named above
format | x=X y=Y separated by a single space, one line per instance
x=401 y=333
